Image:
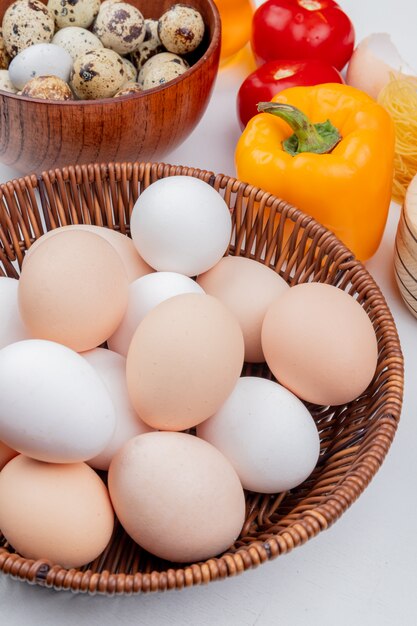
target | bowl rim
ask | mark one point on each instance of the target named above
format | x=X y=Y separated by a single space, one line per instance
x=211 y=50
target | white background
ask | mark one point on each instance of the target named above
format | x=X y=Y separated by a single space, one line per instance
x=363 y=571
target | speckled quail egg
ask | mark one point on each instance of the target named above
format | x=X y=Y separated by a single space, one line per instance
x=47 y=88
x=161 y=74
x=98 y=74
x=26 y=22
x=4 y=55
x=120 y=27
x=158 y=60
x=76 y=40
x=74 y=12
x=129 y=89
x=5 y=82
x=150 y=46
x=181 y=29
x=131 y=71
x=42 y=59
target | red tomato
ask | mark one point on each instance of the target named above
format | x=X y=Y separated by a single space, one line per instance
x=302 y=29
x=273 y=77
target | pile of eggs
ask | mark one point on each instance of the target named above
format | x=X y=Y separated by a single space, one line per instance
x=113 y=348
x=86 y=50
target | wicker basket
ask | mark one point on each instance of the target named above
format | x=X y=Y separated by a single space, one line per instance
x=354 y=438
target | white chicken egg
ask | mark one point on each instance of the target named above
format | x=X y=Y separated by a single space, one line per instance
x=144 y=294
x=181 y=224
x=111 y=368
x=54 y=406
x=266 y=433
x=42 y=59
x=11 y=325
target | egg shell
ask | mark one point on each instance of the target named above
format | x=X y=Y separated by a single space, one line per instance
x=183 y=361
x=266 y=433
x=144 y=295
x=246 y=288
x=181 y=29
x=76 y=41
x=162 y=74
x=12 y=328
x=74 y=12
x=150 y=46
x=120 y=27
x=177 y=496
x=58 y=512
x=47 y=88
x=131 y=72
x=5 y=82
x=26 y=23
x=159 y=60
x=319 y=342
x=111 y=368
x=78 y=299
x=129 y=89
x=134 y=265
x=181 y=224
x=54 y=405
x=6 y=454
x=4 y=55
x=43 y=59
x=98 y=74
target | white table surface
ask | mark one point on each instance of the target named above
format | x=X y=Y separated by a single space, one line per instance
x=362 y=571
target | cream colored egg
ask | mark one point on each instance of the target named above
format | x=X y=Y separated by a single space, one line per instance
x=144 y=295
x=177 y=496
x=74 y=12
x=98 y=74
x=5 y=82
x=120 y=27
x=76 y=41
x=183 y=361
x=319 y=343
x=246 y=288
x=73 y=289
x=61 y=513
x=134 y=265
x=25 y=23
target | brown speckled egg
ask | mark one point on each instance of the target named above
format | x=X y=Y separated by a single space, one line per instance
x=5 y=82
x=25 y=23
x=4 y=55
x=164 y=58
x=98 y=74
x=150 y=46
x=47 y=88
x=129 y=89
x=131 y=72
x=74 y=12
x=181 y=29
x=120 y=27
x=162 y=74
x=76 y=41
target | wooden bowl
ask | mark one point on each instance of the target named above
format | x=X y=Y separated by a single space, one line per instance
x=354 y=437
x=37 y=134
x=405 y=252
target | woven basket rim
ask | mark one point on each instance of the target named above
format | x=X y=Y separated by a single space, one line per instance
x=311 y=521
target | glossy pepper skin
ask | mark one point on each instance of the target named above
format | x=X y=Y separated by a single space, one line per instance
x=349 y=189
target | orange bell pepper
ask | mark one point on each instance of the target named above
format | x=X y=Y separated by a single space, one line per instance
x=332 y=158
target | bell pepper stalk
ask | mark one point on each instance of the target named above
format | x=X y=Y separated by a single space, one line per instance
x=319 y=138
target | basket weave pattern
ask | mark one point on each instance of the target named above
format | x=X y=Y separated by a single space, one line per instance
x=354 y=438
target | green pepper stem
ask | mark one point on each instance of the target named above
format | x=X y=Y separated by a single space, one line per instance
x=319 y=138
